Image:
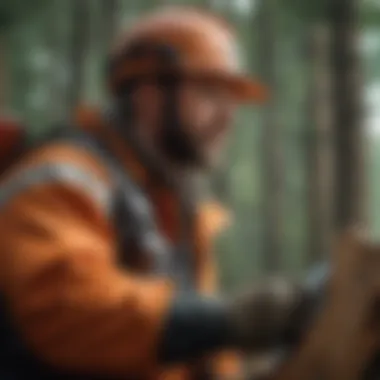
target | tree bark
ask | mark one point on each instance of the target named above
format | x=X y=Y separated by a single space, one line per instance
x=110 y=21
x=319 y=146
x=272 y=158
x=55 y=45
x=4 y=76
x=78 y=46
x=347 y=112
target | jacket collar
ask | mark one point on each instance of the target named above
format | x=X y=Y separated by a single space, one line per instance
x=93 y=121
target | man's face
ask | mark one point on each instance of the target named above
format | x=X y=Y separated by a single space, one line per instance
x=194 y=131
x=206 y=113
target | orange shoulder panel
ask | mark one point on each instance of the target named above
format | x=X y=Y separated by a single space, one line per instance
x=71 y=302
x=212 y=220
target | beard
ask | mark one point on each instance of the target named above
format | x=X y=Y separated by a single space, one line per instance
x=181 y=148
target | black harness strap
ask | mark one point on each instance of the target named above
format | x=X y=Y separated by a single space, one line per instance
x=131 y=212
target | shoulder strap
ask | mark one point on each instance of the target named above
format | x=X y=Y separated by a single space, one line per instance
x=134 y=218
x=124 y=202
x=132 y=215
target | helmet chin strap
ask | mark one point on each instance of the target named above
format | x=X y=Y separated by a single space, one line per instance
x=173 y=141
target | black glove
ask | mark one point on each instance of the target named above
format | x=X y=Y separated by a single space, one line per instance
x=268 y=315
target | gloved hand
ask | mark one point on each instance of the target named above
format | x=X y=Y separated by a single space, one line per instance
x=270 y=314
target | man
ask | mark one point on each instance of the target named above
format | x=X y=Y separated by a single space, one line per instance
x=80 y=302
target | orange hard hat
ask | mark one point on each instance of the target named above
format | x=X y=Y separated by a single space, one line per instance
x=188 y=41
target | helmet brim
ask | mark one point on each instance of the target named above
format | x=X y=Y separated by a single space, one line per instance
x=247 y=90
x=244 y=89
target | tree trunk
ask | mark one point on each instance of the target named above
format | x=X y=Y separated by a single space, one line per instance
x=319 y=147
x=4 y=76
x=55 y=45
x=347 y=109
x=272 y=170
x=78 y=46
x=110 y=21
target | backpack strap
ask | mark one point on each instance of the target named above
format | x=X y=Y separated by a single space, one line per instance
x=130 y=210
x=134 y=219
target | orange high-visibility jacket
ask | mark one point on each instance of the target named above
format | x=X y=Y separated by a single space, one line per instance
x=75 y=307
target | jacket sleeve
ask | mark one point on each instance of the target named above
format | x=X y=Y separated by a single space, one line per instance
x=75 y=308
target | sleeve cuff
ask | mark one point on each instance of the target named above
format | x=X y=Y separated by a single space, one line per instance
x=195 y=326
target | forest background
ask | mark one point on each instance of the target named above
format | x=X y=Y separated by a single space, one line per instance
x=297 y=171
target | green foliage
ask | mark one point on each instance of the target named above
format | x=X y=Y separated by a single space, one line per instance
x=370 y=15
x=16 y=11
x=299 y=13
x=318 y=11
